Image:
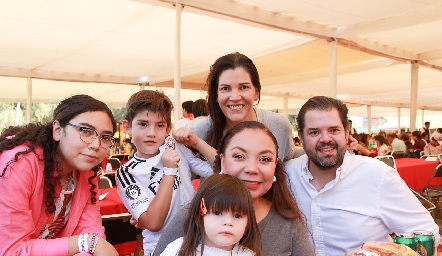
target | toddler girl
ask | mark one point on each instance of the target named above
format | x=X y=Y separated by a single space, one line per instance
x=221 y=221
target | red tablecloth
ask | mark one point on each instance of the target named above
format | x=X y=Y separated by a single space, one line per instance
x=416 y=172
x=111 y=204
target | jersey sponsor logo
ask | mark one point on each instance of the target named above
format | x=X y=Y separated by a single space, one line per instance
x=138 y=202
x=133 y=192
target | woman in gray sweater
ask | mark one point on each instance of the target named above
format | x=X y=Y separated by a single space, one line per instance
x=233 y=89
x=249 y=151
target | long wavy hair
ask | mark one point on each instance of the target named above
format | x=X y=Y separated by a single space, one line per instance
x=221 y=192
x=226 y=62
x=35 y=135
x=279 y=194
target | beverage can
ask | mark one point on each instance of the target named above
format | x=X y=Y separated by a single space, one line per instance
x=425 y=240
x=406 y=239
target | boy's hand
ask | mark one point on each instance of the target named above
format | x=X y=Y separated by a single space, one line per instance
x=185 y=136
x=134 y=222
x=170 y=158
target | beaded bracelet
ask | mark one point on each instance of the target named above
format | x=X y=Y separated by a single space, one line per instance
x=82 y=242
x=95 y=245
x=93 y=242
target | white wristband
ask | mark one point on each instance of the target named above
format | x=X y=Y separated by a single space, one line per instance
x=170 y=171
x=82 y=242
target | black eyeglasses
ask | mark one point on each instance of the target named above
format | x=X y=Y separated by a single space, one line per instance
x=88 y=135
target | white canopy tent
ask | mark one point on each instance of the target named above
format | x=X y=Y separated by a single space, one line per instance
x=298 y=46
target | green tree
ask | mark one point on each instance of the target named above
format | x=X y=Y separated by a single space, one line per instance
x=40 y=113
x=292 y=119
x=119 y=113
x=7 y=115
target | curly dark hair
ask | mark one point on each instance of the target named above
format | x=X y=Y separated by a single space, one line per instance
x=226 y=62
x=40 y=135
x=279 y=194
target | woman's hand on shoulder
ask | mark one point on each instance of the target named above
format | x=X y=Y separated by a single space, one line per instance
x=104 y=248
x=185 y=136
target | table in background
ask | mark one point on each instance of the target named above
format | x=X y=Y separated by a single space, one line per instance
x=119 y=232
x=111 y=204
x=416 y=172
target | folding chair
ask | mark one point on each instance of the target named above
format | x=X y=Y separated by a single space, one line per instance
x=425 y=202
x=410 y=153
x=434 y=193
x=399 y=154
x=417 y=153
x=388 y=160
x=114 y=162
x=104 y=182
x=111 y=177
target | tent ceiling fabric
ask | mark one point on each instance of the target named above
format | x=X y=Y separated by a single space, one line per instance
x=114 y=45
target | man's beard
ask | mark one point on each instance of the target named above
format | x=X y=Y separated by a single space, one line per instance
x=327 y=162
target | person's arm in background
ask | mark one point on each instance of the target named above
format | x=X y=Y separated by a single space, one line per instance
x=362 y=150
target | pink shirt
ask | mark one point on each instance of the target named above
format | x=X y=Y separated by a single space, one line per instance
x=23 y=213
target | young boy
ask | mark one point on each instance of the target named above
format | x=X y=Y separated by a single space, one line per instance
x=156 y=182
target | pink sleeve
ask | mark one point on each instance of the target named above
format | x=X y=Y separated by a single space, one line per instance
x=18 y=228
x=90 y=220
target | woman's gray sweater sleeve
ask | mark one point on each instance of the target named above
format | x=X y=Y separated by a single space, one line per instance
x=172 y=232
